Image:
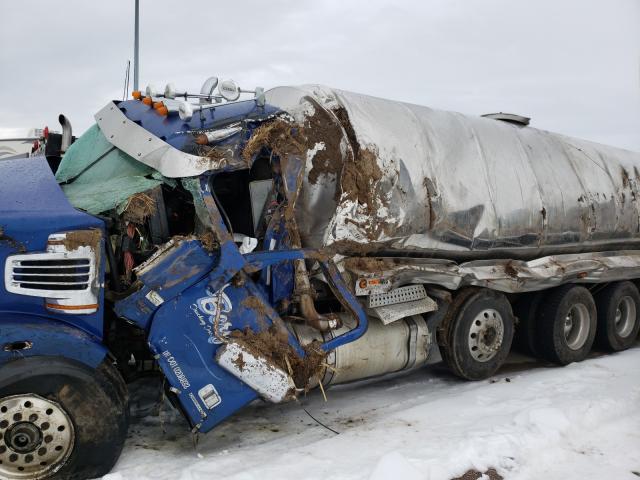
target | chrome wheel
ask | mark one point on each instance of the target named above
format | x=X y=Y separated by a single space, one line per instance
x=36 y=437
x=486 y=335
x=576 y=326
x=625 y=317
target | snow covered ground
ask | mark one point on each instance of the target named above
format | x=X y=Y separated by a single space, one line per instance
x=531 y=421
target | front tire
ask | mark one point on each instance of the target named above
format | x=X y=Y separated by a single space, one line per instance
x=477 y=333
x=567 y=324
x=60 y=419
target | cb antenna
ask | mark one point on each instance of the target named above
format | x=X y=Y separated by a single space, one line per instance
x=136 y=47
x=126 y=80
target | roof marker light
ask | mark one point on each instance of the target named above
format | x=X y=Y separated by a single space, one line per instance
x=185 y=111
x=151 y=91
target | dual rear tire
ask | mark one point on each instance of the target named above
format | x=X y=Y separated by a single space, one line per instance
x=567 y=324
x=541 y=316
x=558 y=325
x=618 y=316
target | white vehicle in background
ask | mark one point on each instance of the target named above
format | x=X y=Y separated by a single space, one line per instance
x=19 y=142
x=23 y=143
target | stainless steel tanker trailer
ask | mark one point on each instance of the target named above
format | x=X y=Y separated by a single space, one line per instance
x=302 y=238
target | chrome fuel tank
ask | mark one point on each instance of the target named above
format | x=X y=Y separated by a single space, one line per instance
x=395 y=178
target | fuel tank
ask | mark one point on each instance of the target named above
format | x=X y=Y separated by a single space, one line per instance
x=393 y=178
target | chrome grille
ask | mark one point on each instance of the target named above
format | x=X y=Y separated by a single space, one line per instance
x=52 y=274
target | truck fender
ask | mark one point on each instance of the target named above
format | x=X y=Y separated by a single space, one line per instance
x=23 y=335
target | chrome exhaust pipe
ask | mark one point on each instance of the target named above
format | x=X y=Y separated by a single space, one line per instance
x=67 y=133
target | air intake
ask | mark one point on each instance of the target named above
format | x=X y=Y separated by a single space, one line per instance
x=51 y=274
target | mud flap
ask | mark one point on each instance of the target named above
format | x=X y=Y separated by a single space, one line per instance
x=255 y=370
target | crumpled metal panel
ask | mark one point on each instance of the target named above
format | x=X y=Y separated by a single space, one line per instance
x=151 y=150
x=463 y=187
x=508 y=275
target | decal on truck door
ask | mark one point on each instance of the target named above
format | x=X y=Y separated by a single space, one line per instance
x=211 y=312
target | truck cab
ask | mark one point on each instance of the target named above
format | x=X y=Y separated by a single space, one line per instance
x=141 y=253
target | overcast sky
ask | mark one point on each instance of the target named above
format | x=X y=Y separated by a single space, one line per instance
x=571 y=65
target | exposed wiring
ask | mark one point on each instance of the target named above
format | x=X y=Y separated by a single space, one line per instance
x=318 y=421
x=126 y=81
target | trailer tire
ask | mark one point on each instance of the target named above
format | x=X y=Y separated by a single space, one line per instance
x=476 y=333
x=567 y=325
x=86 y=418
x=525 y=310
x=618 y=316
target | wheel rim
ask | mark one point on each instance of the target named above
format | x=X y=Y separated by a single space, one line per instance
x=486 y=335
x=36 y=437
x=576 y=326
x=625 y=318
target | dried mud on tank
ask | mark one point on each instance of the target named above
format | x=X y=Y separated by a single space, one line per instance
x=358 y=171
x=369 y=264
x=273 y=345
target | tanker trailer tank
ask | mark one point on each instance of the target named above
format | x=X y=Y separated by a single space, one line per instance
x=456 y=200
x=438 y=215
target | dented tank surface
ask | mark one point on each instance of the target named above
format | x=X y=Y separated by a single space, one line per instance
x=385 y=177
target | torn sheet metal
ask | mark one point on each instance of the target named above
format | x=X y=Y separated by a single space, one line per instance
x=177 y=265
x=396 y=177
x=506 y=275
x=151 y=150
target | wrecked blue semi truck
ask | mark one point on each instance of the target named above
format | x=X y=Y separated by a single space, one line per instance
x=303 y=238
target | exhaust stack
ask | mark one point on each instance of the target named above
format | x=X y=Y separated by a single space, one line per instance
x=66 y=133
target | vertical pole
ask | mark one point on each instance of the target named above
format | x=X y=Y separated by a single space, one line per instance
x=136 y=47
